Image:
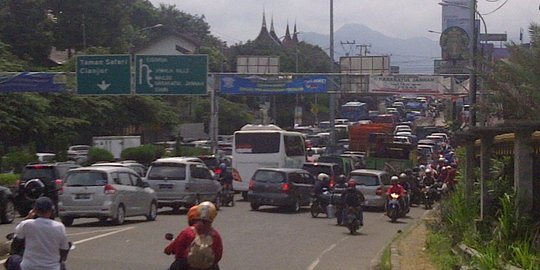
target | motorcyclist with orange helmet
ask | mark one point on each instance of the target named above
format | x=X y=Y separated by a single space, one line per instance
x=200 y=218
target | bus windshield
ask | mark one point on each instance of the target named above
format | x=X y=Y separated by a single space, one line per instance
x=257 y=143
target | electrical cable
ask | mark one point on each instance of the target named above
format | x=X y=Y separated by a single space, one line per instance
x=493 y=11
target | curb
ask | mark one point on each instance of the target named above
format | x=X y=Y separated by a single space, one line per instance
x=394 y=250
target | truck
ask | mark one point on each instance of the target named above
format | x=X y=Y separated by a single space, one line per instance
x=116 y=144
x=381 y=152
x=361 y=136
x=354 y=111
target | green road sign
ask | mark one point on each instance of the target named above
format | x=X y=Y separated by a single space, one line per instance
x=171 y=74
x=103 y=74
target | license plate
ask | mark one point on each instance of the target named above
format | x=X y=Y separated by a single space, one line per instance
x=82 y=196
x=165 y=186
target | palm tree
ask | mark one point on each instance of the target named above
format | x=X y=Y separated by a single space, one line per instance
x=514 y=83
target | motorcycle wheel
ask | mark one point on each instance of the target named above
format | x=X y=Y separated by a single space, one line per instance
x=393 y=215
x=232 y=199
x=314 y=209
x=353 y=226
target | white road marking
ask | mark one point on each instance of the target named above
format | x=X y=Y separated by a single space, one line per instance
x=318 y=259
x=90 y=232
x=102 y=235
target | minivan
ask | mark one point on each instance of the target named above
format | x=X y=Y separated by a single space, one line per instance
x=181 y=183
x=373 y=184
x=284 y=187
x=105 y=192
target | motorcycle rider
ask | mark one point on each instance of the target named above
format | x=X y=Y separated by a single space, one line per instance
x=353 y=198
x=200 y=219
x=398 y=189
x=404 y=181
x=339 y=188
x=322 y=185
x=225 y=177
x=44 y=240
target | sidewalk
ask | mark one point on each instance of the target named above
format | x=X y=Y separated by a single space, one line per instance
x=408 y=252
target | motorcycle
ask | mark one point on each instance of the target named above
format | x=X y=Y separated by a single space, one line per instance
x=429 y=195
x=353 y=222
x=227 y=196
x=320 y=205
x=15 y=256
x=393 y=207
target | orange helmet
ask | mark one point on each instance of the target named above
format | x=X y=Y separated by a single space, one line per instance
x=203 y=211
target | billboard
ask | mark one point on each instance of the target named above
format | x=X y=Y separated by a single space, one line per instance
x=272 y=85
x=42 y=82
x=367 y=65
x=252 y=64
x=456 y=13
x=406 y=84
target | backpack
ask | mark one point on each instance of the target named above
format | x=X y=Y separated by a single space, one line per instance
x=201 y=255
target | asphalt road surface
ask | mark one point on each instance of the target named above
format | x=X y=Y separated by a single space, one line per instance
x=270 y=238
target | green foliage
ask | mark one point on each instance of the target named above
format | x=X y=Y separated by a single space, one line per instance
x=386 y=263
x=8 y=61
x=8 y=179
x=17 y=160
x=26 y=27
x=143 y=154
x=515 y=81
x=187 y=151
x=97 y=154
x=439 y=247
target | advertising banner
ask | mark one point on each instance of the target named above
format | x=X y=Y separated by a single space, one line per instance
x=257 y=85
x=42 y=82
x=406 y=84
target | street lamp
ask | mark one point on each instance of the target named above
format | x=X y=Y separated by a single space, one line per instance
x=132 y=53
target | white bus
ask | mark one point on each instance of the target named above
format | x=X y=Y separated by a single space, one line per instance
x=264 y=146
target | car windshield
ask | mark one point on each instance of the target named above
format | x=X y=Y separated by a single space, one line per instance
x=86 y=178
x=269 y=177
x=167 y=172
x=366 y=180
x=41 y=172
x=315 y=170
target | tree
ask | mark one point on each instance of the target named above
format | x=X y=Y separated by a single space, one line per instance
x=27 y=28
x=515 y=82
x=8 y=61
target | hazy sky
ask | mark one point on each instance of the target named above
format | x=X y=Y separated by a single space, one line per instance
x=240 y=20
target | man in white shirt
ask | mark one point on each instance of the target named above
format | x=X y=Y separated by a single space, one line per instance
x=45 y=240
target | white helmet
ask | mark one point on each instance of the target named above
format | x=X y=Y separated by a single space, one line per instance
x=394 y=178
x=323 y=177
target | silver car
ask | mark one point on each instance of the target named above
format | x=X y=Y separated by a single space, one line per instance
x=373 y=184
x=106 y=192
x=180 y=182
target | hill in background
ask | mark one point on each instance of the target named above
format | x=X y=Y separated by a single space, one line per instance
x=413 y=55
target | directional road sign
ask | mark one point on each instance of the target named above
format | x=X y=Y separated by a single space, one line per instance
x=103 y=74
x=171 y=74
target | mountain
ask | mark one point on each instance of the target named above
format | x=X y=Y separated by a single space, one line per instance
x=413 y=55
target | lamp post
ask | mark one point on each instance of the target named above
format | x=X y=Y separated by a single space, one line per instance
x=132 y=53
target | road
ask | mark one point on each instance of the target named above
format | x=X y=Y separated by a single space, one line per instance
x=266 y=239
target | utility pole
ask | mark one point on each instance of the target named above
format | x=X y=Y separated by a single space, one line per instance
x=472 y=72
x=332 y=98
x=351 y=44
x=364 y=48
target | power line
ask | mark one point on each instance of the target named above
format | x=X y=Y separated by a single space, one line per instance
x=493 y=11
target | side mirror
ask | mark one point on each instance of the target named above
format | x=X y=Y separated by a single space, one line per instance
x=169 y=236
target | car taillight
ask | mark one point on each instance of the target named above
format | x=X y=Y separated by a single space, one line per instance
x=251 y=184
x=285 y=187
x=217 y=171
x=378 y=192
x=109 y=189
x=59 y=186
x=332 y=182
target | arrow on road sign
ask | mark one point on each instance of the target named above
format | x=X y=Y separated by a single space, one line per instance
x=103 y=85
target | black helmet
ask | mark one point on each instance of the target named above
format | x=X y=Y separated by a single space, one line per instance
x=341 y=179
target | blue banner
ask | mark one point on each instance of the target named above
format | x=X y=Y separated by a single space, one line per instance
x=274 y=85
x=32 y=82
